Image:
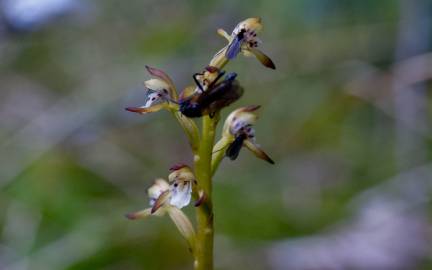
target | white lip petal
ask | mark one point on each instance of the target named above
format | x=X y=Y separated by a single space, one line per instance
x=181 y=194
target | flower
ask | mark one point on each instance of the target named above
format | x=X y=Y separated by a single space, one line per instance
x=169 y=197
x=176 y=193
x=161 y=93
x=238 y=131
x=243 y=39
x=162 y=194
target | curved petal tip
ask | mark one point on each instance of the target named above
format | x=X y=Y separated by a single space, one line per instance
x=135 y=109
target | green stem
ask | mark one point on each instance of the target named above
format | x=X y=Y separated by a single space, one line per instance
x=203 y=171
x=204 y=244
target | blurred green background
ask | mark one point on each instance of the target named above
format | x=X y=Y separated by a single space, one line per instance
x=346 y=116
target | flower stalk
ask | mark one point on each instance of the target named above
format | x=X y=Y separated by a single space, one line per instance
x=184 y=182
x=205 y=230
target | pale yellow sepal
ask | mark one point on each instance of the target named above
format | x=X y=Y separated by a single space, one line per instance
x=183 y=224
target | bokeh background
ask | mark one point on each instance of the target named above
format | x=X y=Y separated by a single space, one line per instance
x=346 y=116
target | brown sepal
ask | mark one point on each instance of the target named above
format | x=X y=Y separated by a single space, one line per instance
x=251 y=108
x=159 y=74
x=258 y=152
x=264 y=59
x=177 y=166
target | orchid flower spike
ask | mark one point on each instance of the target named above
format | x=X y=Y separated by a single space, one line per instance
x=161 y=93
x=238 y=132
x=244 y=39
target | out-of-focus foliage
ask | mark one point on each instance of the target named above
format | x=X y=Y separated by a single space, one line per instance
x=73 y=162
